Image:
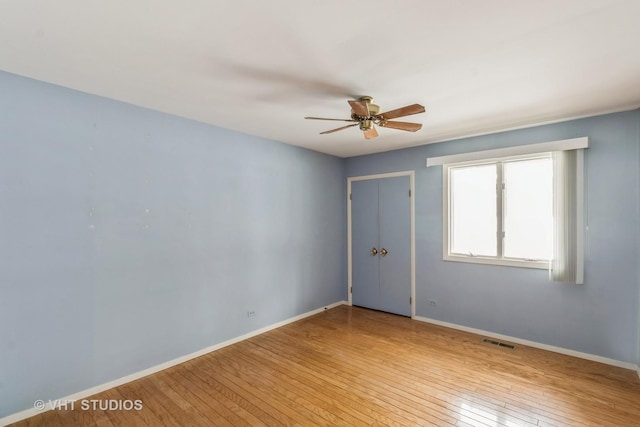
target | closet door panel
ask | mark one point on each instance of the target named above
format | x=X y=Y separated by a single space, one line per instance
x=394 y=210
x=364 y=238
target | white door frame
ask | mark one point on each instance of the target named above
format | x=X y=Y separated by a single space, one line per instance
x=411 y=175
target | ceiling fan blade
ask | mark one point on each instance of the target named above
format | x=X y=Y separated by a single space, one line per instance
x=337 y=129
x=360 y=108
x=336 y=120
x=410 y=127
x=404 y=111
x=371 y=133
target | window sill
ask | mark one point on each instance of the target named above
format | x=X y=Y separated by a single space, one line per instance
x=540 y=265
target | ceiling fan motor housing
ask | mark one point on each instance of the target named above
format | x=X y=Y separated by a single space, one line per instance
x=374 y=110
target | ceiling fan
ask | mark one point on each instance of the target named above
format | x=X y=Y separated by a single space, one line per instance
x=366 y=114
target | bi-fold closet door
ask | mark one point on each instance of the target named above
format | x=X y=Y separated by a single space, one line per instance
x=381 y=244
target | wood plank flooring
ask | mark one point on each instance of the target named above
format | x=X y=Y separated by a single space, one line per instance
x=350 y=366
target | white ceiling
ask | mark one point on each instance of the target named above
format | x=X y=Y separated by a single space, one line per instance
x=259 y=67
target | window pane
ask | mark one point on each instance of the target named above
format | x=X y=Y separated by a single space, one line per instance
x=473 y=210
x=528 y=209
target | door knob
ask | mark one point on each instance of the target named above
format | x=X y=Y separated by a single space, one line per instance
x=383 y=252
x=373 y=251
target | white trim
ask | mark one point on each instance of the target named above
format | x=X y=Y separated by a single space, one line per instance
x=349 y=245
x=482 y=132
x=638 y=371
x=413 y=242
x=411 y=175
x=379 y=175
x=543 y=147
x=13 y=418
x=446 y=236
x=565 y=351
x=503 y=262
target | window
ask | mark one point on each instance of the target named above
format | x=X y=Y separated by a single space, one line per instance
x=500 y=211
x=521 y=206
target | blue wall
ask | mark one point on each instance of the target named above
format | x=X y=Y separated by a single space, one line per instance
x=599 y=317
x=130 y=237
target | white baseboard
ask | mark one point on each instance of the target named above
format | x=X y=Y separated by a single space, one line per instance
x=132 y=377
x=541 y=346
x=638 y=371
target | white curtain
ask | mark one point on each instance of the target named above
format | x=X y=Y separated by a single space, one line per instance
x=567 y=263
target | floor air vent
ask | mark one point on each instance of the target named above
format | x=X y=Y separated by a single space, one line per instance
x=499 y=344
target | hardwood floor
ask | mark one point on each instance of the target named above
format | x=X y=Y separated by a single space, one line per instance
x=350 y=366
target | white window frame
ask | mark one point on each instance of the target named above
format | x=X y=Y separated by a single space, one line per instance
x=499 y=259
x=503 y=153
